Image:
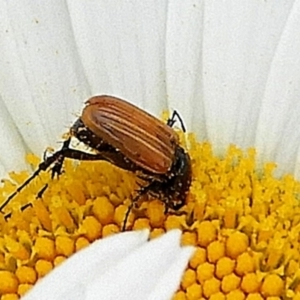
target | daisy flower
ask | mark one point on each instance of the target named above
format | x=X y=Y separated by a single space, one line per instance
x=231 y=69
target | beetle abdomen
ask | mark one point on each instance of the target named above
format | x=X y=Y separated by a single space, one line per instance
x=142 y=138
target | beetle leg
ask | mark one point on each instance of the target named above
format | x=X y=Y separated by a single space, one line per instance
x=7 y=216
x=169 y=204
x=42 y=167
x=38 y=196
x=57 y=159
x=142 y=191
x=171 y=121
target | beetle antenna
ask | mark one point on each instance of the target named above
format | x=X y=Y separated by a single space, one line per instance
x=171 y=121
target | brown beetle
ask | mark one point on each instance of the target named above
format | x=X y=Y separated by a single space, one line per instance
x=131 y=139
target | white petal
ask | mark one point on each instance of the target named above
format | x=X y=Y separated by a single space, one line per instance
x=54 y=55
x=141 y=272
x=41 y=81
x=170 y=281
x=233 y=58
x=122 y=48
x=72 y=276
x=278 y=130
x=184 y=62
x=239 y=42
x=11 y=145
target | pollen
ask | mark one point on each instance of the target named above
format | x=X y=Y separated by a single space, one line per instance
x=243 y=221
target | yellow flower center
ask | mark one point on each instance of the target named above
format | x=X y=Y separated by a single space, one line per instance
x=244 y=222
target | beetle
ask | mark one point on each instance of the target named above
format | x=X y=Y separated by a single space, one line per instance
x=132 y=139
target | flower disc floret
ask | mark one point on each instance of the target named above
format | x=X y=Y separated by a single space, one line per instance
x=243 y=221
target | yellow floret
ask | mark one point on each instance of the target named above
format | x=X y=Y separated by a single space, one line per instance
x=75 y=189
x=189 y=238
x=230 y=283
x=155 y=213
x=272 y=285
x=81 y=243
x=199 y=257
x=119 y=216
x=64 y=246
x=188 y=278
x=242 y=220
x=110 y=229
x=205 y=271
x=236 y=295
x=207 y=233
x=173 y=222
x=236 y=244
x=90 y=228
x=215 y=251
x=43 y=215
x=24 y=288
x=245 y=264
x=45 y=248
x=43 y=267
x=117 y=199
x=8 y=283
x=250 y=283
x=17 y=249
x=194 y=292
x=58 y=260
x=26 y=274
x=254 y=296
x=179 y=296
x=156 y=232
x=103 y=210
x=64 y=217
x=211 y=286
x=217 y=296
x=10 y=297
x=224 y=266
x=141 y=223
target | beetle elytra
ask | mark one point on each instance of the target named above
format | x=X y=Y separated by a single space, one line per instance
x=131 y=139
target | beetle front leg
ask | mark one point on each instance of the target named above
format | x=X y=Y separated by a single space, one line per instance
x=43 y=166
x=171 y=121
x=57 y=159
x=169 y=204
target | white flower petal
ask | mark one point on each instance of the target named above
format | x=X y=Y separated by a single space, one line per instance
x=122 y=46
x=170 y=281
x=43 y=83
x=238 y=63
x=74 y=274
x=140 y=273
x=11 y=146
x=183 y=62
x=54 y=56
x=218 y=54
x=279 y=140
x=123 y=266
x=240 y=39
